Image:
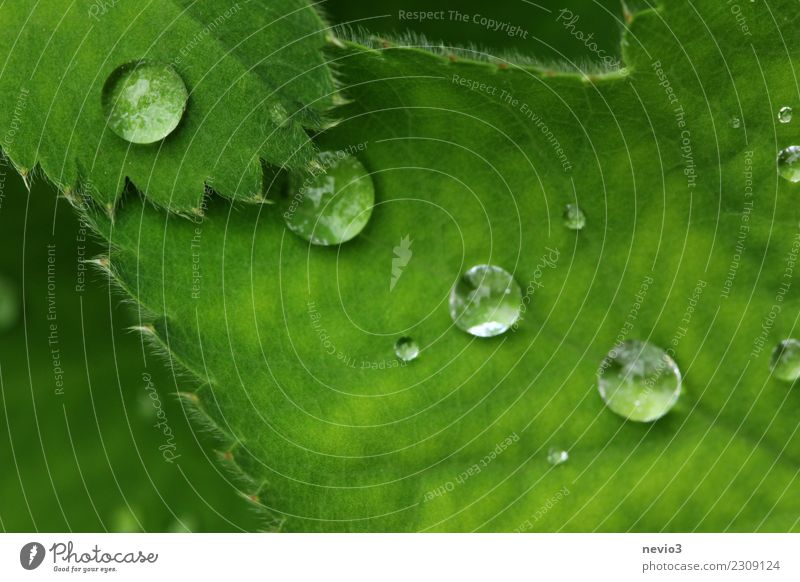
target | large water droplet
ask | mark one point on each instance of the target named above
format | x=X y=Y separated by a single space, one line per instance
x=574 y=218
x=785 y=361
x=9 y=304
x=557 y=456
x=639 y=381
x=406 y=349
x=485 y=301
x=144 y=101
x=785 y=115
x=789 y=163
x=335 y=204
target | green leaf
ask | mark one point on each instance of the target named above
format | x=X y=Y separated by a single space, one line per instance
x=690 y=243
x=95 y=438
x=253 y=70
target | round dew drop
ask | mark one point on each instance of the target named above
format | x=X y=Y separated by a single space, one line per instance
x=557 y=456
x=406 y=349
x=789 y=163
x=785 y=115
x=574 y=218
x=735 y=122
x=144 y=101
x=785 y=361
x=639 y=381
x=334 y=205
x=485 y=301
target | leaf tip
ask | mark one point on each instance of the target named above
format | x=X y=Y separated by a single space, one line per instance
x=340 y=100
x=144 y=329
x=189 y=397
x=225 y=456
x=335 y=41
x=101 y=262
x=627 y=13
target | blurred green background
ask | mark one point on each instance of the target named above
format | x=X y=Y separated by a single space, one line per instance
x=80 y=449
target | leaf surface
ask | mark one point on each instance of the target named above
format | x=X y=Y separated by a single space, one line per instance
x=253 y=70
x=691 y=243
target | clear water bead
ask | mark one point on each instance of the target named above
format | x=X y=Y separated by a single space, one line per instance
x=485 y=301
x=557 y=456
x=639 y=381
x=789 y=163
x=785 y=361
x=406 y=349
x=574 y=218
x=333 y=205
x=785 y=115
x=144 y=101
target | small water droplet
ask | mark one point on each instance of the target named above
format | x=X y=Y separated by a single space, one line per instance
x=785 y=361
x=333 y=205
x=574 y=218
x=735 y=122
x=639 y=381
x=406 y=349
x=9 y=304
x=144 y=101
x=485 y=301
x=557 y=456
x=789 y=163
x=785 y=115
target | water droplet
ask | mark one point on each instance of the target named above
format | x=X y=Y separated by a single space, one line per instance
x=639 y=381
x=789 y=163
x=144 y=101
x=785 y=115
x=557 y=456
x=735 y=122
x=406 y=349
x=485 y=301
x=574 y=218
x=785 y=361
x=9 y=304
x=333 y=205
